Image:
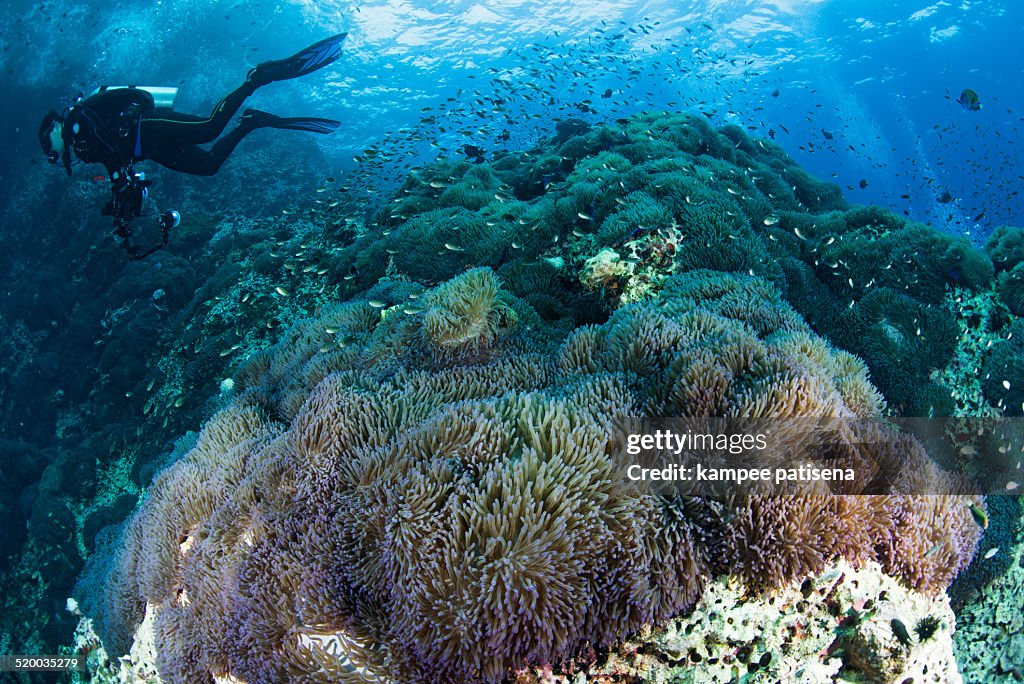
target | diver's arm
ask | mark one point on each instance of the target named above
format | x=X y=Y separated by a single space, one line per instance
x=111 y=208
x=119 y=206
x=128 y=193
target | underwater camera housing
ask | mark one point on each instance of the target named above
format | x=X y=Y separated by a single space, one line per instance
x=129 y=193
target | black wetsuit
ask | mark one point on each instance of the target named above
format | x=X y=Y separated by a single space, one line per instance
x=121 y=126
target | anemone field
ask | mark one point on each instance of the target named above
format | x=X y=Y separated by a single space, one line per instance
x=409 y=472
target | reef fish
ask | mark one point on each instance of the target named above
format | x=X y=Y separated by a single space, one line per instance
x=474 y=152
x=969 y=100
x=979 y=515
x=900 y=631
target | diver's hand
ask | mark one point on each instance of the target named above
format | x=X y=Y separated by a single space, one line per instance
x=119 y=184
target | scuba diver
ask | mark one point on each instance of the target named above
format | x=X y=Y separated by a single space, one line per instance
x=122 y=125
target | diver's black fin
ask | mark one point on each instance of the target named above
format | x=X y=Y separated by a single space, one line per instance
x=259 y=119
x=316 y=56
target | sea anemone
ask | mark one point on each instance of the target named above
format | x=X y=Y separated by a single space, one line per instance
x=465 y=316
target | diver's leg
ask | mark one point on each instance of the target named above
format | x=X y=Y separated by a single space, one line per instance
x=167 y=127
x=315 y=57
x=197 y=161
x=186 y=159
x=176 y=128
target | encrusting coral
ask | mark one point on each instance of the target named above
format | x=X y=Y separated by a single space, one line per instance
x=456 y=508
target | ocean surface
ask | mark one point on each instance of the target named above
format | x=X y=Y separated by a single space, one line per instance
x=790 y=209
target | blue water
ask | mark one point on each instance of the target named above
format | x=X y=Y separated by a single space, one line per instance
x=880 y=77
x=862 y=94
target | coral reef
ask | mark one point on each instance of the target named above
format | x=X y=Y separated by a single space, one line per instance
x=846 y=624
x=1006 y=248
x=420 y=476
x=1002 y=370
x=990 y=623
x=908 y=341
x=431 y=511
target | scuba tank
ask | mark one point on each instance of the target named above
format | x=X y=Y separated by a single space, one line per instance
x=163 y=96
